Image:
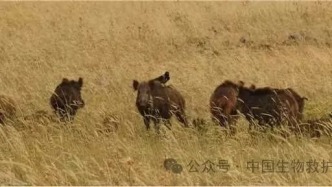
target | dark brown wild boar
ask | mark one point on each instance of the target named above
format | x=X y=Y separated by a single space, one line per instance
x=67 y=99
x=156 y=102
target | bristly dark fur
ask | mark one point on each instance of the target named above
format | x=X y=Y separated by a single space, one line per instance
x=268 y=90
x=268 y=105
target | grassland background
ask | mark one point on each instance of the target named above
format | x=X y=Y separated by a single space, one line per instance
x=111 y=43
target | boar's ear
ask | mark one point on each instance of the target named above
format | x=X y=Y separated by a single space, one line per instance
x=253 y=86
x=135 y=84
x=65 y=80
x=304 y=98
x=80 y=81
x=241 y=83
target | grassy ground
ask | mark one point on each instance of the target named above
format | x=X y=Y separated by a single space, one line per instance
x=201 y=44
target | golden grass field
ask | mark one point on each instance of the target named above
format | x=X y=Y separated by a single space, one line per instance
x=201 y=44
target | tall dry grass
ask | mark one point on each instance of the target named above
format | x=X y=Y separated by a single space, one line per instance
x=201 y=44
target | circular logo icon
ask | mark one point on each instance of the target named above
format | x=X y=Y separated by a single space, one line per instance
x=168 y=163
x=171 y=164
x=177 y=168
